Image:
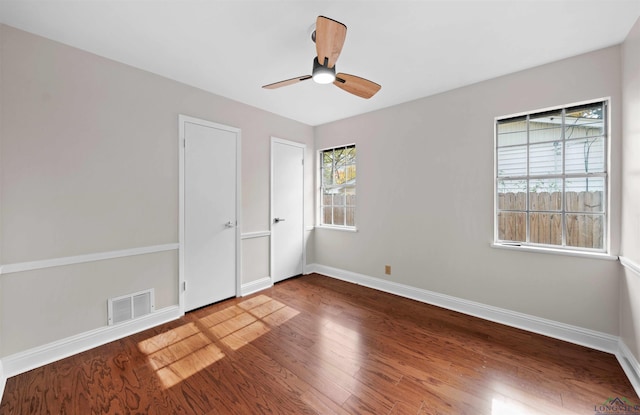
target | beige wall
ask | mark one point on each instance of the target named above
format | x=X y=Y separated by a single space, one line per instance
x=75 y=297
x=89 y=164
x=630 y=289
x=425 y=197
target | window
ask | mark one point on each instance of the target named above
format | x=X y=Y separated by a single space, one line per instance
x=551 y=178
x=338 y=186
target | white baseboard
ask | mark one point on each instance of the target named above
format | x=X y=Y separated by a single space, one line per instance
x=255 y=286
x=38 y=356
x=630 y=365
x=573 y=334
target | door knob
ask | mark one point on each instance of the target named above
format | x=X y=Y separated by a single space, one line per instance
x=229 y=225
x=276 y=220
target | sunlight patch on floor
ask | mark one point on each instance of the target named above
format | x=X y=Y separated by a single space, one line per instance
x=179 y=353
x=183 y=351
x=243 y=323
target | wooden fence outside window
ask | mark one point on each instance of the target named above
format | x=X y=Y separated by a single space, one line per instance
x=583 y=215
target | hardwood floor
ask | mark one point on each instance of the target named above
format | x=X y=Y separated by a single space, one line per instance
x=315 y=345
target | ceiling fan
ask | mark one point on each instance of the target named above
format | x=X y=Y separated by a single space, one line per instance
x=329 y=37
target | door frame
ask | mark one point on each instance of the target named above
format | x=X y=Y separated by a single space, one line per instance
x=276 y=140
x=182 y=120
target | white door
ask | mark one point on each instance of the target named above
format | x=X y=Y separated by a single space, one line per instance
x=287 y=208
x=210 y=212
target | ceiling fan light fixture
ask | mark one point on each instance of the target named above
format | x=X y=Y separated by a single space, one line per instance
x=322 y=74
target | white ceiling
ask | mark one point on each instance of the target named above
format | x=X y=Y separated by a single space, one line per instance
x=412 y=48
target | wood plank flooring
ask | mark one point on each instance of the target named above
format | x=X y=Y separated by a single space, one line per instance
x=315 y=345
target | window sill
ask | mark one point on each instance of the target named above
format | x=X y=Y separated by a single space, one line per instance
x=565 y=252
x=338 y=228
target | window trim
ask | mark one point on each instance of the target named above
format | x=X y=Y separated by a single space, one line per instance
x=554 y=251
x=319 y=223
x=605 y=252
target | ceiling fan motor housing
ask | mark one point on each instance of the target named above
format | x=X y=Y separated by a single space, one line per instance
x=322 y=74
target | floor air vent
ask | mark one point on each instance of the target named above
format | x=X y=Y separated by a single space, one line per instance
x=130 y=306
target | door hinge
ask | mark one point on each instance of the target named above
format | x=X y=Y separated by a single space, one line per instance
x=184 y=143
x=184 y=286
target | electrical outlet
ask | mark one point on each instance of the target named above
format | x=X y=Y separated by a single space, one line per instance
x=387 y=269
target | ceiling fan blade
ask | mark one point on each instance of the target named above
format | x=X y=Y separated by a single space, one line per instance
x=287 y=82
x=356 y=85
x=330 y=35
